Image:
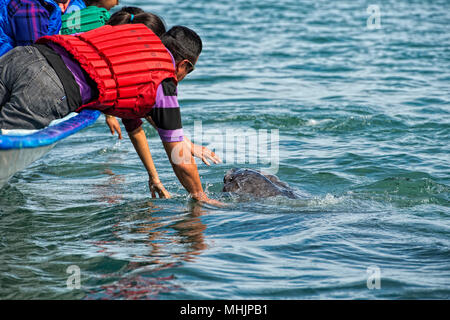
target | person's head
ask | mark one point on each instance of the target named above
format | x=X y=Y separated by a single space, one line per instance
x=185 y=46
x=107 y=4
x=132 y=15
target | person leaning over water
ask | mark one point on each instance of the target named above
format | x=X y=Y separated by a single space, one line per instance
x=24 y=21
x=137 y=15
x=131 y=15
x=93 y=17
x=125 y=71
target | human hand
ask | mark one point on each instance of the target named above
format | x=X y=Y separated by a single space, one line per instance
x=205 y=154
x=114 y=125
x=157 y=187
x=203 y=198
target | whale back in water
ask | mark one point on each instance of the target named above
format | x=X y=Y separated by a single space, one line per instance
x=256 y=183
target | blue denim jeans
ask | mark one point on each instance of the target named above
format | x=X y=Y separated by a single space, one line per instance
x=31 y=94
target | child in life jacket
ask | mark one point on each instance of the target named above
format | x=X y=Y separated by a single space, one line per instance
x=95 y=14
x=124 y=71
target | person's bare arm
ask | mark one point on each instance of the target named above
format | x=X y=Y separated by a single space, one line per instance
x=198 y=151
x=185 y=169
x=140 y=144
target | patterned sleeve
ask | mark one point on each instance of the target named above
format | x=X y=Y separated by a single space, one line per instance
x=166 y=112
x=29 y=20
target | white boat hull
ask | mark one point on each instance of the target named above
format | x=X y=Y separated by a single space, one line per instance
x=15 y=160
x=19 y=151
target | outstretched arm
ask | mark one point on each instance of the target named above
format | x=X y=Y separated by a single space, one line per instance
x=196 y=150
x=185 y=169
x=140 y=144
x=165 y=116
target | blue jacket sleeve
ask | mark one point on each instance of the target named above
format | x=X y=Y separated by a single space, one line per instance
x=5 y=40
x=5 y=44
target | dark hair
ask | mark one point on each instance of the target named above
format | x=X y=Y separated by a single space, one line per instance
x=136 y=15
x=183 y=43
x=132 y=10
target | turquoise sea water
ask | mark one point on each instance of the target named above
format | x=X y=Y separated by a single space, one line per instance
x=364 y=127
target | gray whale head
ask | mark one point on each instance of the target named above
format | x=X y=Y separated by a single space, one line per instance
x=256 y=183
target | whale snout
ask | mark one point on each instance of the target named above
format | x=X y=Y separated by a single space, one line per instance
x=229 y=181
x=255 y=183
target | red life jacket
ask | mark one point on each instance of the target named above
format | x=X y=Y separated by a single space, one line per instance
x=127 y=62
